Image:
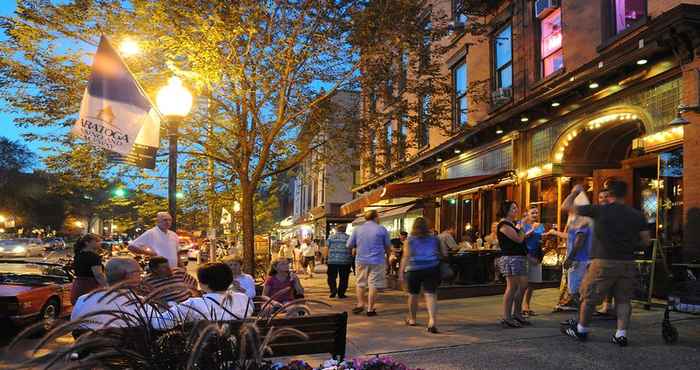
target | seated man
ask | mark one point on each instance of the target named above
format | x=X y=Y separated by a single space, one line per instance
x=242 y=282
x=217 y=303
x=167 y=284
x=118 y=270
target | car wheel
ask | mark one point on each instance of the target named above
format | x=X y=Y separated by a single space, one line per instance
x=50 y=313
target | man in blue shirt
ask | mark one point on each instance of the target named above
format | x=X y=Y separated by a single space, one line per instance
x=372 y=244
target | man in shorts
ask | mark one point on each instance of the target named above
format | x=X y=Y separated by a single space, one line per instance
x=619 y=230
x=372 y=245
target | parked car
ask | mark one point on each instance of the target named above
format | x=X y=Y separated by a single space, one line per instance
x=21 y=247
x=53 y=244
x=34 y=291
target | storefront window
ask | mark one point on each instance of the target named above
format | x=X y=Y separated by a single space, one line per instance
x=543 y=194
x=670 y=187
x=467 y=228
x=448 y=213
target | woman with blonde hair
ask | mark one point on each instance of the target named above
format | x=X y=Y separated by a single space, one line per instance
x=420 y=268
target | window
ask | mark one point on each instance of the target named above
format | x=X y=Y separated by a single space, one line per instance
x=401 y=134
x=459 y=100
x=403 y=61
x=372 y=101
x=626 y=13
x=550 y=43
x=503 y=58
x=425 y=46
x=388 y=141
x=459 y=15
x=372 y=153
x=423 y=129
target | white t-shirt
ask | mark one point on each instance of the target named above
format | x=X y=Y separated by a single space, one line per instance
x=247 y=283
x=85 y=306
x=165 y=244
x=210 y=306
x=308 y=250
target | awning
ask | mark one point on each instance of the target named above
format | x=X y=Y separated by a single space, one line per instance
x=388 y=213
x=421 y=189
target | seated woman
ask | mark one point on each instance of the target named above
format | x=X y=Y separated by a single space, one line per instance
x=217 y=303
x=279 y=279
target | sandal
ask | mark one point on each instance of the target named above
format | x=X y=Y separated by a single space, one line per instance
x=408 y=322
x=358 y=310
x=522 y=321
x=510 y=324
x=432 y=329
x=529 y=313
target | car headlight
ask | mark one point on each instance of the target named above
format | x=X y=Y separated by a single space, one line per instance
x=19 y=249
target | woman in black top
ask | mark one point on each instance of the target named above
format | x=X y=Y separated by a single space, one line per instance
x=89 y=273
x=513 y=265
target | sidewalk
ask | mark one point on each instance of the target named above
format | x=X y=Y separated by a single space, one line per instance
x=471 y=336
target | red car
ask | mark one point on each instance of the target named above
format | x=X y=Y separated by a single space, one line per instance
x=33 y=291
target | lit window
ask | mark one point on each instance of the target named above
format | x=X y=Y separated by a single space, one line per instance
x=389 y=131
x=627 y=13
x=460 y=83
x=550 y=44
x=459 y=14
x=503 y=58
x=423 y=129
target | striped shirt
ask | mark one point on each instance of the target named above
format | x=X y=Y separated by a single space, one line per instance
x=174 y=288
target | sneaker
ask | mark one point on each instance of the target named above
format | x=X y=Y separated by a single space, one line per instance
x=568 y=322
x=620 y=341
x=572 y=331
x=371 y=313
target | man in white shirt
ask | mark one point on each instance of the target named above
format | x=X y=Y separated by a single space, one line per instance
x=217 y=303
x=159 y=241
x=308 y=253
x=117 y=270
x=242 y=282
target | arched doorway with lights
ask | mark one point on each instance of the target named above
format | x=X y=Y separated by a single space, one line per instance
x=624 y=144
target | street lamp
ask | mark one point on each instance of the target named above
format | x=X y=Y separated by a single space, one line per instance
x=129 y=47
x=174 y=103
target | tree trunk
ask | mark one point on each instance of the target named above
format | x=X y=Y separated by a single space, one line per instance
x=248 y=226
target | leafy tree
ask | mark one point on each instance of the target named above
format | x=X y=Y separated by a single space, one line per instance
x=14 y=156
x=263 y=72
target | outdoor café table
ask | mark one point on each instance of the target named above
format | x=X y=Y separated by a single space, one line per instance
x=473 y=266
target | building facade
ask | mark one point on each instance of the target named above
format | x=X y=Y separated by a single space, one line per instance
x=579 y=92
x=323 y=181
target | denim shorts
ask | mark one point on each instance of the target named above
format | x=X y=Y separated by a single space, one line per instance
x=513 y=265
x=575 y=275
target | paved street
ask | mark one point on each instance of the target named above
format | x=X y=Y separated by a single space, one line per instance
x=471 y=337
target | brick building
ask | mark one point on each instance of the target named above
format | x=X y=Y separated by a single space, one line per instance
x=581 y=91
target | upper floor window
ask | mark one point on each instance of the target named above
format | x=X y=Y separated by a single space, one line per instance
x=459 y=14
x=425 y=45
x=423 y=128
x=459 y=100
x=550 y=43
x=401 y=134
x=372 y=157
x=403 y=65
x=626 y=13
x=388 y=142
x=503 y=57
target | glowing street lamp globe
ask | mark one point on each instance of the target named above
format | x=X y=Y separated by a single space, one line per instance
x=174 y=99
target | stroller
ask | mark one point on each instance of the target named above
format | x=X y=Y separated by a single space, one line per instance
x=685 y=298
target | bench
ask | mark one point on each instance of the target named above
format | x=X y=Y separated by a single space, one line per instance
x=326 y=334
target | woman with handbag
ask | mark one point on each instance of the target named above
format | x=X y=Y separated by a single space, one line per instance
x=420 y=268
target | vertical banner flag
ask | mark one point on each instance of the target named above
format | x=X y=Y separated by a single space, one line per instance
x=115 y=113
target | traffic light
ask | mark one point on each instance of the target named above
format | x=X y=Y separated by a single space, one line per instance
x=119 y=192
x=179 y=195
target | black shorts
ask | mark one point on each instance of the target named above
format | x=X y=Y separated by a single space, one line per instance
x=307 y=261
x=428 y=278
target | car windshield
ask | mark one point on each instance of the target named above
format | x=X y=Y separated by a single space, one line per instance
x=29 y=269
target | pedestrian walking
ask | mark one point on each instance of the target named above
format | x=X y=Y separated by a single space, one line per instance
x=87 y=264
x=420 y=269
x=619 y=230
x=308 y=255
x=533 y=230
x=512 y=264
x=286 y=251
x=371 y=242
x=159 y=241
x=339 y=262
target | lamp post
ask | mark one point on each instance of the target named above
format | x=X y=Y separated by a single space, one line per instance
x=174 y=103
